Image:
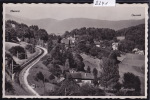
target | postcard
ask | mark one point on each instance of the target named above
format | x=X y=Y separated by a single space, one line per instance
x=75 y=51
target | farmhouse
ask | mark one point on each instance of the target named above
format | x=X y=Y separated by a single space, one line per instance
x=82 y=77
x=72 y=39
x=137 y=51
x=97 y=43
x=68 y=42
x=115 y=46
x=120 y=38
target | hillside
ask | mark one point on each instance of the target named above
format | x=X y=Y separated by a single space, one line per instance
x=60 y=26
x=134 y=37
x=42 y=23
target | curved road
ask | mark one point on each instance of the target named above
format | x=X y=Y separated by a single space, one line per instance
x=25 y=71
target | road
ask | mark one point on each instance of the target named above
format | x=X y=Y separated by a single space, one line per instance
x=25 y=71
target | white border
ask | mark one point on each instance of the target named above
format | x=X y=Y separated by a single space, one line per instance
x=75 y=5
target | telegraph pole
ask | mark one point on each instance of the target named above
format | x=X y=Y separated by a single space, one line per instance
x=12 y=70
x=65 y=91
x=17 y=54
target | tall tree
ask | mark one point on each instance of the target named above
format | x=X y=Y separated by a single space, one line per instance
x=110 y=73
x=79 y=62
x=41 y=77
x=88 y=69
x=95 y=72
x=68 y=88
x=67 y=65
x=50 y=45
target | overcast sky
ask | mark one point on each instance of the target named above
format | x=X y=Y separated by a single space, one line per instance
x=83 y=11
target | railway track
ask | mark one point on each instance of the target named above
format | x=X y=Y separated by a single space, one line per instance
x=24 y=71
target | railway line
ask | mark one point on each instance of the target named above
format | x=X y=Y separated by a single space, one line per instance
x=24 y=71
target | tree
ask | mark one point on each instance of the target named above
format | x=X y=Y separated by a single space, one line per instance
x=110 y=73
x=118 y=86
x=88 y=70
x=55 y=69
x=80 y=66
x=51 y=77
x=115 y=39
x=68 y=55
x=131 y=81
x=67 y=66
x=50 y=45
x=18 y=51
x=8 y=86
x=95 y=72
x=59 y=39
x=93 y=51
x=79 y=62
x=126 y=45
x=89 y=90
x=30 y=48
x=113 y=56
x=40 y=76
x=68 y=88
x=43 y=35
x=95 y=81
x=56 y=54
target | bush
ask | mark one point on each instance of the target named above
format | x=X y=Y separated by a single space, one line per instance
x=132 y=82
x=51 y=77
x=30 y=48
x=86 y=90
x=55 y=69
x=18 y=49
x=9 y=86
x=118 y=86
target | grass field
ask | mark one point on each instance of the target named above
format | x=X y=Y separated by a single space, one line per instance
x=8 y=45
x=32 y=74
x=133 y=63
x=17 y=88
x=91 y=62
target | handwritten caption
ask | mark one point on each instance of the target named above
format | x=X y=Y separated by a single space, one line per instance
x=101 y=3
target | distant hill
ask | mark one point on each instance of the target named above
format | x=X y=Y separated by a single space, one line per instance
x=60 y=26
x=42 y=23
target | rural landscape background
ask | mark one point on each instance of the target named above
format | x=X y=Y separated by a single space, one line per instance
x=74 y=56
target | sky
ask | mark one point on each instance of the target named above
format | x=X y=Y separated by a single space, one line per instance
x=64 y=11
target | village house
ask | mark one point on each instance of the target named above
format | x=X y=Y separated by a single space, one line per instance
x=68 y=42
x=97 y=43
x=137 y=51
x=115 y=46
x=72 y=39
x=82 y=77
x=120 y=38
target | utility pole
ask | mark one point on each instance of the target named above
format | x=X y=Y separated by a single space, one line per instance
x=17 y=54
x=25 y=55
x=12 y=70
x=47 y=46
x=65 y=91
x=32 y=48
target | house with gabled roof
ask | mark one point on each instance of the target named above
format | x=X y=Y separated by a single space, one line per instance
x=68 y=42
x=82 y=77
